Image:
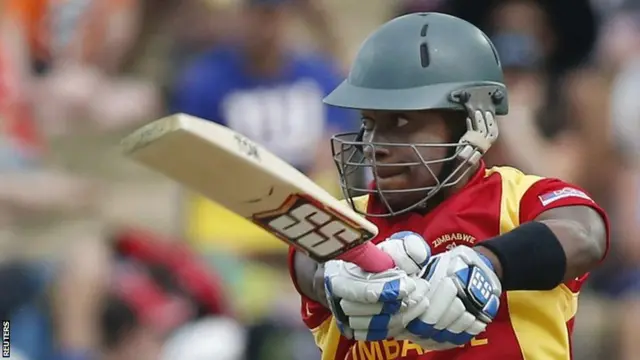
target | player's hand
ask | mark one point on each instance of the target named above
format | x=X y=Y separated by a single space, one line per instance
x=464 y=298
x=379 y=306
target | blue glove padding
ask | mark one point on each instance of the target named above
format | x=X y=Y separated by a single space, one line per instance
x=464 y=298
x=371 y=307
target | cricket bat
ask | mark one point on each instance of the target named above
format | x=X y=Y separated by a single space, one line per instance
x=252 y=182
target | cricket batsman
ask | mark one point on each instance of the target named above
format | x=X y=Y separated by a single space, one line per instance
x=489 y=262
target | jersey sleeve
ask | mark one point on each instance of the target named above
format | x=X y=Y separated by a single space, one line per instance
x=547 y=194
x=320 y=322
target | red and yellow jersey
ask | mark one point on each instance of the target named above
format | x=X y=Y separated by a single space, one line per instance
x=530 y=325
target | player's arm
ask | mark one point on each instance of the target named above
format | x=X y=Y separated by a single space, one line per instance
x=309 y=277
x=581 y=233
x=564 y=235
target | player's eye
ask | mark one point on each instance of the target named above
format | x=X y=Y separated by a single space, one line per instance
x=367 y=124
x=400 y=122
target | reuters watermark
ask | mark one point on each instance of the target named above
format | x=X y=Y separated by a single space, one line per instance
x=6 y=339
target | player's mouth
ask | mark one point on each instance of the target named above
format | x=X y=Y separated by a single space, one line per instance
x=384 y=172
x=391 y=177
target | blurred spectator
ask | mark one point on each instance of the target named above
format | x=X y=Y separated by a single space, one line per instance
x=176 y=268
x=524 y=41
x=22 y=144
x=138 y=316
x=21 y=283
x=122 y=301
x=68 y=53
x=162 y=287
x=261 y=89
x=74 y=305
x=314 y=14
x=173 y=32
x=258 y=86
x=621 y=46
x=280 y=336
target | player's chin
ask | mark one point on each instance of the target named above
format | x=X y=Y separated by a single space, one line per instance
x=392 y=189
x=399 y=201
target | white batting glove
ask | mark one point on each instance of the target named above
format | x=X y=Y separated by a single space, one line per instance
x=464 y=298
x=371 y=307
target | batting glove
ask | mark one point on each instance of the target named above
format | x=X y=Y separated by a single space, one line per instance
x=371 y=307
x=464 y=298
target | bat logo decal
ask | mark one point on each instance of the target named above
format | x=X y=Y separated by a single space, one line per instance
x=313 y=228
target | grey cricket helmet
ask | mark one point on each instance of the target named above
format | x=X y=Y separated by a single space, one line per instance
x=423 y=61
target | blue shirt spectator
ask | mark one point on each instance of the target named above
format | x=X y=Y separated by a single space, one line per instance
x=283 y=112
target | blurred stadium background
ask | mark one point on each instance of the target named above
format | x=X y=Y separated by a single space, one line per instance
x=101 y=259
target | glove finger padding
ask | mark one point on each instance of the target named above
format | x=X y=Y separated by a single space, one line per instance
x=446 y=322
x=409 y=251
x=378 y=325
x=415 y=299
x=352 y=308
x=376 y=335
x=476 y=328
x=345 y=280
x=464 y=299
x=399 y=313
x=441 y=296
x=465 y=322
x=455 y=311
x=376 y=328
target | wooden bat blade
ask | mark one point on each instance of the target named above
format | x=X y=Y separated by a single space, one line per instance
x=247 y=179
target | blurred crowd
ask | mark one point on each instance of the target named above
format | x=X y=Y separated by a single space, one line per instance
x=102 y=259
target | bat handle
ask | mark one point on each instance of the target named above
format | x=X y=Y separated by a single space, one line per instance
x=369 y=258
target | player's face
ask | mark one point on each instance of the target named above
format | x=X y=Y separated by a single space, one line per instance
x=411 y=127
